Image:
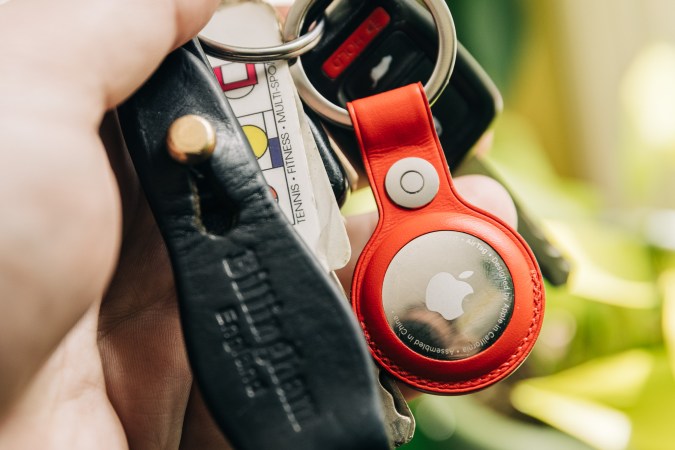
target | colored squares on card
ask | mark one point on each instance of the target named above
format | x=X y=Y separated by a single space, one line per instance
x=257 y=138
x=275 y=194
x=236 y=80
x=276 y=156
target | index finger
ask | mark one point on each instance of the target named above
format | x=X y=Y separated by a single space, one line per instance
x=105 y=47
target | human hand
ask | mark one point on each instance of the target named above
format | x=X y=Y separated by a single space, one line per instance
x=121 y=379
x=90 y=342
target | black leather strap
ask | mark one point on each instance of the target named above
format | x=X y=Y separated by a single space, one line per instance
x=277 y=353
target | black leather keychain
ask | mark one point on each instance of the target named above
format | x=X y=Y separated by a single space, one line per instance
x=276 y=351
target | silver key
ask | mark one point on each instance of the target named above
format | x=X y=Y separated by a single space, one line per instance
x=397 y=414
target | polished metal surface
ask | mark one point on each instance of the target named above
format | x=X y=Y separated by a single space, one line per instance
x=191 y=139
x=397 y=413
x=448 y=295
x=289 y=50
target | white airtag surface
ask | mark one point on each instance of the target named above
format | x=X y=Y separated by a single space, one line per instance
x=412 y=182
x=448 y=295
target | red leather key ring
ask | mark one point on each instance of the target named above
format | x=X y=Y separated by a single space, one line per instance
x=449 y=297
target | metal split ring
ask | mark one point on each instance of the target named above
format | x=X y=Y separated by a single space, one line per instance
x=289 y=50
x=447 y=53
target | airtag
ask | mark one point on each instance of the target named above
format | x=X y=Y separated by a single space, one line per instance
x=448 y=295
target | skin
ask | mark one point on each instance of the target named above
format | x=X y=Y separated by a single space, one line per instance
x=91 y=349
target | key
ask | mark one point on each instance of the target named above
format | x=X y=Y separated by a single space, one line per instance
x=397 y=414
x=345 y=66
x=334 y=165
x=554 y=266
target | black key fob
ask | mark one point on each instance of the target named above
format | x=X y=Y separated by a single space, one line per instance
x=375 y=46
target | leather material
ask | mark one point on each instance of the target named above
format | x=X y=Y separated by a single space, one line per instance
x=271 y=340
x=398 y=124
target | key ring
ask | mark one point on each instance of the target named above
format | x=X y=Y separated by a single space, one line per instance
x=291 y=49
x=447 y=53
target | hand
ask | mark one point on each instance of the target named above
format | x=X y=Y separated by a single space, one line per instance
x=90 y=343
x=69 y=379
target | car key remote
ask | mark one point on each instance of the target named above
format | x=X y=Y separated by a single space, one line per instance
x=375 y=46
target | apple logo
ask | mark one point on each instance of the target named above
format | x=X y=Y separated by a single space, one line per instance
x=445 y=294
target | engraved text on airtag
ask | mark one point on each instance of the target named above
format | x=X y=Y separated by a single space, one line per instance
x=448 y=295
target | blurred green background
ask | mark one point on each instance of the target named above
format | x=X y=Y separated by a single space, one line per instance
x=587 y=144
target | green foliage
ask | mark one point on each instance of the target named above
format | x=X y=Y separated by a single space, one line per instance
x=601 y=374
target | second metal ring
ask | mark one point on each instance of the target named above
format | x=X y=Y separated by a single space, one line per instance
x=291 y=49
x=445 y=62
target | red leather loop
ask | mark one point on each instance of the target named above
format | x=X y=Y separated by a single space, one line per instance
x=395 y=125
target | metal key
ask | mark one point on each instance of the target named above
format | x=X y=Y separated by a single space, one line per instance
x=400 y=420
x=554 y=266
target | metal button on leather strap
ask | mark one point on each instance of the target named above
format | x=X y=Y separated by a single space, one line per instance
x=191 y=139
x=412 y=182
